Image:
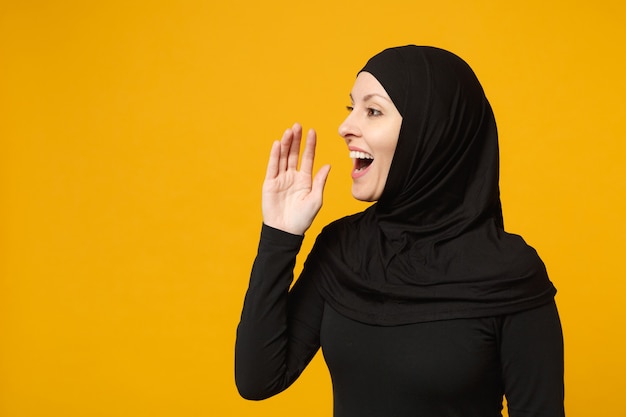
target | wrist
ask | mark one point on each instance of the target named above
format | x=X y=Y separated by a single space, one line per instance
x=285 y=228
x=282 y=229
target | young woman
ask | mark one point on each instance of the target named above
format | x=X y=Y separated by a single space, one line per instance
x=423 y=305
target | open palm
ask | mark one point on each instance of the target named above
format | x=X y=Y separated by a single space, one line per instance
x=291 y=196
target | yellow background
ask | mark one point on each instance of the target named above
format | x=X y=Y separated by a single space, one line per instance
x=134 y=136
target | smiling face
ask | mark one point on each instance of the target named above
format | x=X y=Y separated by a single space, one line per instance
x=371 y=132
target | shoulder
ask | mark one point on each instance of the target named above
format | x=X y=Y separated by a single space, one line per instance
x=340 y=237
x=347 y=224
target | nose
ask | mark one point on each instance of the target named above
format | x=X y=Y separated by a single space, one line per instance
x=349 y=129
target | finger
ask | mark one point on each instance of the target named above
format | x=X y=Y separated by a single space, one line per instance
x=308 y=156
x=294 y=151
x=272 y=165
x=319 y=182
x=285 y=144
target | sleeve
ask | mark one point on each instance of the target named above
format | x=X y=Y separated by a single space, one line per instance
x=532 y=363
x=279 y=330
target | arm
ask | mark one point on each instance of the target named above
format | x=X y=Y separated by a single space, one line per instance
x=279 y=330
x=278 y=334
x=532 y=363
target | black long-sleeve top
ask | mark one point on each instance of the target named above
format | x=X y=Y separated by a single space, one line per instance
x=443 y=368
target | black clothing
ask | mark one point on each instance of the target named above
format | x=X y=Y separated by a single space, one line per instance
x=433 y=247
x=423 y=305
x=443 y=368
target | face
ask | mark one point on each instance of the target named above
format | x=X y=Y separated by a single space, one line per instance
x=371 y=132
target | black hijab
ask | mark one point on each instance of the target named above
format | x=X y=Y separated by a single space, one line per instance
x=433 y=247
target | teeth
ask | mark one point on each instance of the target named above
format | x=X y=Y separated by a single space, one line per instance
x=360 y=155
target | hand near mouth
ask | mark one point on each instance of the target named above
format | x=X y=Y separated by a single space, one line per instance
x=291 y=197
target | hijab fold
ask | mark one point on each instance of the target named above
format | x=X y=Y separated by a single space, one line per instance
x=433 y=247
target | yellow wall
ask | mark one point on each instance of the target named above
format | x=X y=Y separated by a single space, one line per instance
x=134 y=137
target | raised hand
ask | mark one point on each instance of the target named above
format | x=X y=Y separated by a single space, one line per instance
x=291 y=197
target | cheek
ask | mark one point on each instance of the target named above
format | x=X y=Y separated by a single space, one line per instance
x=384 y=144
x=390 y=149
x=388 y=152
x=387 y=166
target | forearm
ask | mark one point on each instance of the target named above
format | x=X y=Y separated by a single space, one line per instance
x=267 y=354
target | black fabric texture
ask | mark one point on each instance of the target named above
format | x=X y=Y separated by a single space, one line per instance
x=440 y=368
x=434 y=246
x=422 y=304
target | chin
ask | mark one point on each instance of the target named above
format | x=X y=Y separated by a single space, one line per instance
x=367 y=198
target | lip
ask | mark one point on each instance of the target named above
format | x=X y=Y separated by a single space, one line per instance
x=358 y=174
x=354 y=148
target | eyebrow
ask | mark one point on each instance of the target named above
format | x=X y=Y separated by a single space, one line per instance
x=369 y=96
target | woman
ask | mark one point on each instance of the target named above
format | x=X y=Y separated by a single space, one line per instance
x=423 y=305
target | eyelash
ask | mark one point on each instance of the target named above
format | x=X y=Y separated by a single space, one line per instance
x=370 y=111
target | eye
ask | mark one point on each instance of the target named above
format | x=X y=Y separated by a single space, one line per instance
x=349 y=108
x=373 y=112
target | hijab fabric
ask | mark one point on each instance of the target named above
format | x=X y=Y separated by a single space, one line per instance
x=433 y=247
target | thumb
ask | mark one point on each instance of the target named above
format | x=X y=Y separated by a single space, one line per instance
x=319 y=181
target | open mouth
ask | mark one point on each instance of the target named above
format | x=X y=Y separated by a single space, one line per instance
x=362 y=160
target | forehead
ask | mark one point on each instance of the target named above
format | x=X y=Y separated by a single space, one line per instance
x=366 y=86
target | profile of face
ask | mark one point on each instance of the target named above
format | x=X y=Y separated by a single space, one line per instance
x=371 y=132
